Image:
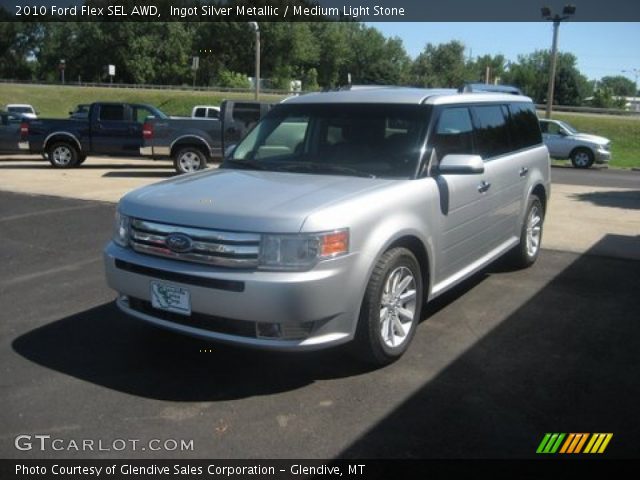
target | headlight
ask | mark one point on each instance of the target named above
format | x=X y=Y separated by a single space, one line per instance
x=301 y=251
x=121 y=230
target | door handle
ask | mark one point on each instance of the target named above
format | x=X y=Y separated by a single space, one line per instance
x=484 y=186
x=524 y=171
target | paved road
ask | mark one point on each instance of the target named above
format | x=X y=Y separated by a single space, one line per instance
x=596 y=177
x=503 y=359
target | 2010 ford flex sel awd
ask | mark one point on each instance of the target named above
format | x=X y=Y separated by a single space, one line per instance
x=335 y=219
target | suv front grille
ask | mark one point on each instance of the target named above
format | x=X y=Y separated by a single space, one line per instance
x=212 y=247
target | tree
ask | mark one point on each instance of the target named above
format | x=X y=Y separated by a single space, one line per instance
x=531 y=74
x=440 y=66
x=477 y=69
x=619 y=85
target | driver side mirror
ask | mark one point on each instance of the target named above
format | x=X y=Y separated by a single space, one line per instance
x=228 y=152
x=454 y=164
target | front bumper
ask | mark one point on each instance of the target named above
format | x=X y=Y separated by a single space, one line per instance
x=602 y=155
x=325 y=301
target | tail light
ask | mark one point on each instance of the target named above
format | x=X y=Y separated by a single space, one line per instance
x=147 y=131
x=24 y=129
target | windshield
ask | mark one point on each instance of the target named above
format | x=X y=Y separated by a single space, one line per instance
x=568 y=128
x=336 y=139
x=20 y=109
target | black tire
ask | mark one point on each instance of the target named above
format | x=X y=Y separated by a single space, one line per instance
x=189 y=159
x=369 y=344
x=81 y=160
x=526 y=253
x=582 y=158
x=62 y=155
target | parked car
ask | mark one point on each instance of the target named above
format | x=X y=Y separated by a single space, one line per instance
x=81 y=111
x=335 y=219
x=565 y=142
x=205 y=111
x=10 y=124
x=111 y=129
x=191 y=143
x=23 y=109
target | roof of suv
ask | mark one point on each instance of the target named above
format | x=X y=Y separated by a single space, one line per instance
x=404 y=95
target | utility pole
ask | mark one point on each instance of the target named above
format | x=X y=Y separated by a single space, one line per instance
x=567 y=12
x=256 y=27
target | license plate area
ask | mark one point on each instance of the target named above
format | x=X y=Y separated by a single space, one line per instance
x=170 y=298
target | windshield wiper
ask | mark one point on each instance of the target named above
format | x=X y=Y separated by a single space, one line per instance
x=323 y=168
x=245 y=164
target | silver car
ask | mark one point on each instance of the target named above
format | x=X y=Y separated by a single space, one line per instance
x=335 y=219
x=565 y=142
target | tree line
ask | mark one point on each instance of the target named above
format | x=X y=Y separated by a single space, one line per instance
x=321 y=55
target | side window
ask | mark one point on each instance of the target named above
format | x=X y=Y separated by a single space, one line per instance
x=553 y=129
x=525 y=127
x=5 y=119
x=200 y=112
x=492 y=133
x=211 y=113
x=454 y=133
x=544 y=127
x=140 y=114
x=114 y=113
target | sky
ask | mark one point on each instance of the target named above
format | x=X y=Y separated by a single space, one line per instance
x=602 y=49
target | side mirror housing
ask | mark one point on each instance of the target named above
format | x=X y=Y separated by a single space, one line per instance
x=455 y=164
x=228 y=152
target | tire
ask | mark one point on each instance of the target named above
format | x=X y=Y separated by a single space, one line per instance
x=81 y=160
x=582 y=158
x=384 y=332
x=189 y=159
x=62 y=155
x=528 y=250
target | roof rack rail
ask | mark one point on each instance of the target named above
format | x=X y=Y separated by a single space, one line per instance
x=486 y=88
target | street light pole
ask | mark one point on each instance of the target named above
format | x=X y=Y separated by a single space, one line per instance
x=567 y=11
x=257 y=77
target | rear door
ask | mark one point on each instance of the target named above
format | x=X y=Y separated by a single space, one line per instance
x=238 y=118
x=115 y=131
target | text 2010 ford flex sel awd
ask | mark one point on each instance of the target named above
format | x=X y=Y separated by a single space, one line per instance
x=335 y=219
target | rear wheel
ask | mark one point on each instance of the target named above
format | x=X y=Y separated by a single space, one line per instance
x=390 y=309
x=582 y=158
x=189 y=159
x=526 y=253
x=62 y=155
x=81 y=159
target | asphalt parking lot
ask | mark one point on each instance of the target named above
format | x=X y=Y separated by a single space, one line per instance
x=506 y=357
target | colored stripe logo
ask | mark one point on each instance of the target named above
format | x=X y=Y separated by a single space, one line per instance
x=574 y=443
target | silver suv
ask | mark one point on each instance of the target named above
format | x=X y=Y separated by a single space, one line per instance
x=335 y=219
x=564 y=141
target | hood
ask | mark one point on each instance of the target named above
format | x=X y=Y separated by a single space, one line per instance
x=242 y=200
x=591 y=138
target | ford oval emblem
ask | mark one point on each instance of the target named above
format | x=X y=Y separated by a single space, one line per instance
x=178 y=242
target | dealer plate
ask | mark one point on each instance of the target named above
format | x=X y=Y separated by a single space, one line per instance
x=170 y=298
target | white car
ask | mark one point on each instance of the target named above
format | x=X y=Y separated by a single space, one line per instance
x=564 y=141
x=206 y=111
x=23 y=109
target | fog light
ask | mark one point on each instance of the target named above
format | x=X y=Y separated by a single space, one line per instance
x=268 y=330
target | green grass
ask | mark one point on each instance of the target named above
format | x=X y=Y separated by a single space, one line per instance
x=624 y=133
x=57 y=101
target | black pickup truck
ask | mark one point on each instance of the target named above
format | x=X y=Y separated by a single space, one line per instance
x=110 y=129
x=191 y=143
x=10 y=128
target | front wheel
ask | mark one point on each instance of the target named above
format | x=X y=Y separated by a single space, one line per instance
x=582 y=158
x=189 y=159
x=390 y=309
x=526 y=253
